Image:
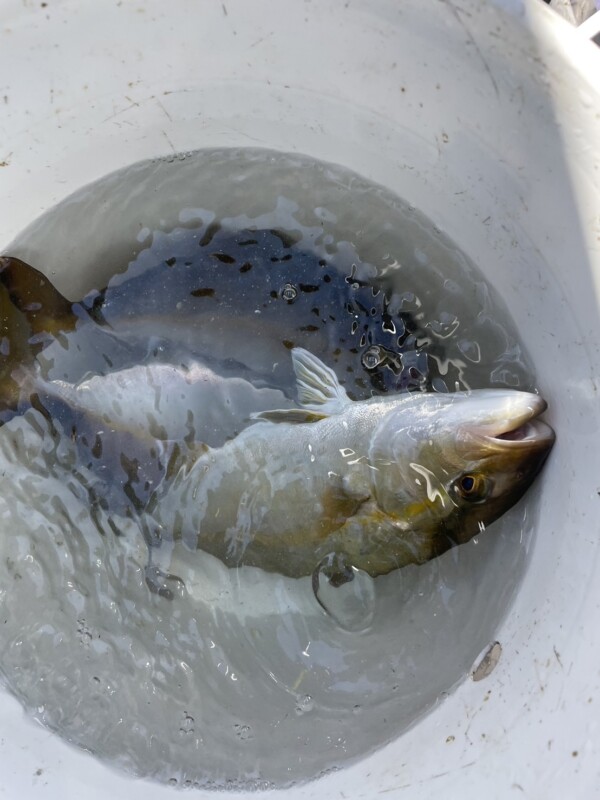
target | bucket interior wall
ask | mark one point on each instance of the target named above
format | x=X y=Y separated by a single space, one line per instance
x=488 y=123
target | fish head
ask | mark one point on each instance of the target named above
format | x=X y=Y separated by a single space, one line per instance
x=448 y=465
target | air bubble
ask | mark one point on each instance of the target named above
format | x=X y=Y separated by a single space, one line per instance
x=289 y=292
x=470 y=350
x=243 y=732
x=444 y=327
x=304 y=705
x=187 y=725
x=345 y=593
x=373 y=357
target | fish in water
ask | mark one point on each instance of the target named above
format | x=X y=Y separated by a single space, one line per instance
x=380 y=483
x=376 y=484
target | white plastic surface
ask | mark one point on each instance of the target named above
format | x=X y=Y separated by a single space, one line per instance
x=487 y=122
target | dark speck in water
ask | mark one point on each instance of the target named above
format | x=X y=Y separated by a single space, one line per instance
x=211 y=230
x=224 y=258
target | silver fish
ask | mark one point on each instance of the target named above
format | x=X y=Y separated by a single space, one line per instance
x=376 y=484
x=380 y=483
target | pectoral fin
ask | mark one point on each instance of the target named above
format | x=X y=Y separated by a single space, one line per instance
x=291 y=415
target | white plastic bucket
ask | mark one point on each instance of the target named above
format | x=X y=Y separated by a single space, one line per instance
x=488 y=122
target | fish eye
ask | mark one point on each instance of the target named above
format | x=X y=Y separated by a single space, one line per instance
x=467 y=483
x=472 y=486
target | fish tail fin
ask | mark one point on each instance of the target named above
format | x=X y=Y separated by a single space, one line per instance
x=32 y=293
x=30 y=307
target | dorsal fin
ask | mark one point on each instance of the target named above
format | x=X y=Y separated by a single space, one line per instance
x=317 y=384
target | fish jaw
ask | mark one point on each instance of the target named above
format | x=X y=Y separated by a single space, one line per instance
x=507 y=423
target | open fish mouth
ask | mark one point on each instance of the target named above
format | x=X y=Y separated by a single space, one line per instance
x=524 y=428
x=504 y=421
x=534 y=431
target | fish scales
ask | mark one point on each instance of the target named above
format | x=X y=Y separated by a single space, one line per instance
x=250 y=498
